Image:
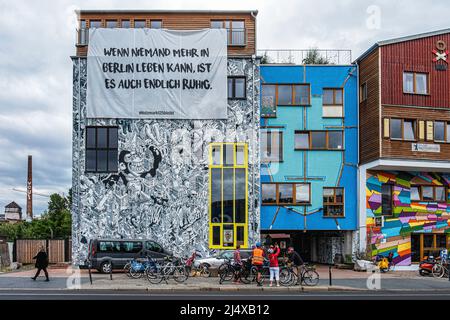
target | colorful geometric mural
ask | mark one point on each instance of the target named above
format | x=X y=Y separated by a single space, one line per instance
x=394 y=235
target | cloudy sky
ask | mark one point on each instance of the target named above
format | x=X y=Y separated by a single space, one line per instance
x=37 y=38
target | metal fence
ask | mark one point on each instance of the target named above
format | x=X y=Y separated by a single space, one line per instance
x=302 y=56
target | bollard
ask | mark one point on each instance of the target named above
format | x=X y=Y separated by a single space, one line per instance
x=90 y=274
x=110 y=271
x=330 y=280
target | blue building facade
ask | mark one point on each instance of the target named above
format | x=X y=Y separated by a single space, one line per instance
x=309 y=156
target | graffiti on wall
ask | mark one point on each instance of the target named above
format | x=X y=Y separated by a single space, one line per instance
x=394 y=233
x=160 y=191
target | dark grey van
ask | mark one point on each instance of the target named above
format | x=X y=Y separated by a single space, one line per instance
x=104 y=253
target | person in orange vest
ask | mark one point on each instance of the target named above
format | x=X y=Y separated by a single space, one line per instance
x=258 y=261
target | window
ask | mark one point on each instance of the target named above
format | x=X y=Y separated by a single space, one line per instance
x=111 y=23
x=95 y=23
x=235 y=30
x=319 y=140
x=131 y=246
x=285 y=95
x=301 y=95
x=415 y=83
x=155 y=24
x=439 y=131
x=333 y=202
x=428 y=193
x=400 y=129
x=228 y=195
x=285 y=193
x=126 y=24
x=386 y=199
x=332 y=97
x=101 y=149
x=271 y=146
x=236 y=88
x=363 y=92
x=268 y=100
x=139 y=23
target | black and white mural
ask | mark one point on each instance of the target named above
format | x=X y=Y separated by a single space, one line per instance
x=160 y=191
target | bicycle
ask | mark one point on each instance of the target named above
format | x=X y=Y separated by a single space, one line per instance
x=230 y=271
x=264 y=270
x=199 y=270
x=307 y=272
x=137 y=268
x=440 y=269
x=171 y=268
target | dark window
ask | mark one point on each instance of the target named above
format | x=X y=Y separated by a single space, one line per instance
x=131 y=246
x=439 y=131
x=396 y=129
x=285 y=193
x=228 y=195
x=153 y=246
x=363 y=92
x=236 y=88
x=427 y=193
x=386 y=199
x=284 y=95
x=271 y=146
x=318 y=140
x=216 y=195
x=269 y=193
x=335 y=140
x=216 y=236
x=301 y=94
x=101 y=149
x=239 y=196
x=332 y=96
x=155 y=24
x=333 y=202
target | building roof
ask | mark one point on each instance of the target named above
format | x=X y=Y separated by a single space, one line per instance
x=128 y=11
x=402 y=39
x=13 y=205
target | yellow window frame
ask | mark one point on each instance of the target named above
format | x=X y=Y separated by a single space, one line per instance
x=221 y=166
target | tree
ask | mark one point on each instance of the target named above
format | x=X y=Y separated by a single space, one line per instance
x=313 y=57
x=265 y=59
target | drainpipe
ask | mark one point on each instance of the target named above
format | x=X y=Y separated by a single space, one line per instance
x=255 y=132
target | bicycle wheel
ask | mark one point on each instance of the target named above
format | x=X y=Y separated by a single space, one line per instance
x=135 y=273
x=226 y=275
x=222 y=268
x=126 y=269
x=438 y=271
x=244 y=276
x=310 y=278
x=154 y=276
x=285 y=277
x=204 y=271
x=180 y=274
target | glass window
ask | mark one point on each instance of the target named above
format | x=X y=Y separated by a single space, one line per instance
x=285 y=193
x=328 y=195
x=102 y=137
x=448 y=131
x=271 y=146
x=408 y=82
x=439 y=131
x=111 y=23
x=83 y=24
x=239 y=88
x=415 y=195
x=240 y=155
x=126 y=24
x=90 y=138
x=301 y=94
x=268 y=101
x=95 y=23
x=228 y=155
x=409 y=130
x=216 y=24
x=216 y=155
x=427 y=193
x=363 y=91
x=216 y=195
x=318 y=140
x=328 y=96
x=335 y=140
x=333 y=202
x=302 y=193
x=101 y=149
x=216 y=236
x=338 y=97
x=269 y=192
x=440 y=193
x=386 y=199
x=227 y=200
x=301 y=140
x=113 y=139
x=91 y=158
x=230 y=88
x=284 y=95
x=239 y=196
x=139 y=23
x=396 y=128
x=156 y=24
x=421 y=83
x=237 y=33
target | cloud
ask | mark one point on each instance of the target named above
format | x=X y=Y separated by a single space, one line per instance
x=37 y=39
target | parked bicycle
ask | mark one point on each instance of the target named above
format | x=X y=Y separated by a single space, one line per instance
x=170 y=268
x=440 y=268
x=229 y=271
x=201 y=270
x=307 y=273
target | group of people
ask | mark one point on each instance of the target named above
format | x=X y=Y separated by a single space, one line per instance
x=257 y=260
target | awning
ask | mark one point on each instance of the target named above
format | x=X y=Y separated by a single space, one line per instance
x=279 y=235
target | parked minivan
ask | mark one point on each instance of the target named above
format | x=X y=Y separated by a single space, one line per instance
x=107 y=253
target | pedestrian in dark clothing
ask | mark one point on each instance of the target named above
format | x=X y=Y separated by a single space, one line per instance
x=41 y=263
x=296 y=261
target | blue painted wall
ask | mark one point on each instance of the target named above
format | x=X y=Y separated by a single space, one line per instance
x=322 y=167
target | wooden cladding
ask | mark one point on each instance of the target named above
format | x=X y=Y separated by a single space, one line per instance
x=181 y=21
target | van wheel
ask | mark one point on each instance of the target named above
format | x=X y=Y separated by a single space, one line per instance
x=105 y=267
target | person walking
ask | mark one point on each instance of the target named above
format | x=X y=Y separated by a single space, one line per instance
x=258 y=261
x=41 y=263
x=274 y=251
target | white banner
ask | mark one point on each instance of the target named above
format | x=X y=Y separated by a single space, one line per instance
x=157 y=74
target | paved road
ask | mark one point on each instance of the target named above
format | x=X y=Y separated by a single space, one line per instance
x=220 y=296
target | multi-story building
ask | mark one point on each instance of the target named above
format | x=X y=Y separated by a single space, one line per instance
x=13 y=213
x=404 y=178
x=309 y=155
x=186 y=175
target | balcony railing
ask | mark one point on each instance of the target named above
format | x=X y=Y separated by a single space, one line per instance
x=305 y=56
x=236 y=37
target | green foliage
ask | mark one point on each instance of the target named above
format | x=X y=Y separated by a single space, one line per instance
x=55 y=223
x=313 y=57
x=265 y=59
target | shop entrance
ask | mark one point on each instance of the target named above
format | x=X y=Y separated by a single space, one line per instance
x=428 y=244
